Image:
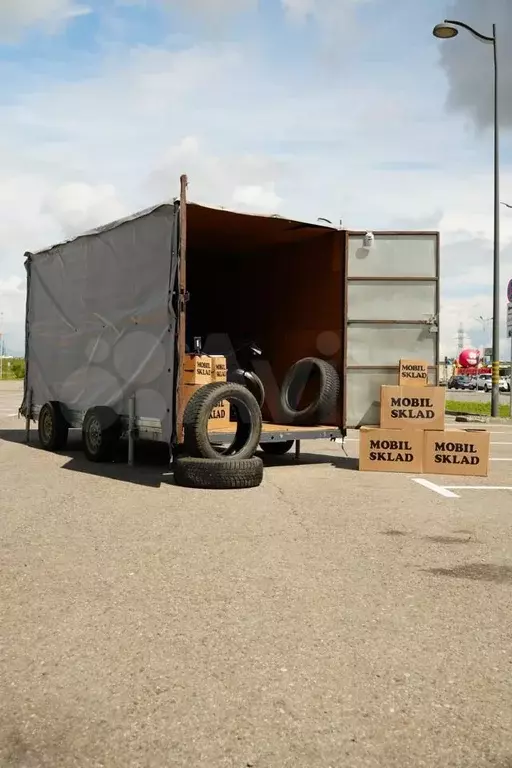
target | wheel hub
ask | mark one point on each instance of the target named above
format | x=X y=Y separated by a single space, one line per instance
x=47 y=426
x=94 y=434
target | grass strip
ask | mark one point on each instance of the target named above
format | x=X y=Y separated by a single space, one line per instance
x=479 y=409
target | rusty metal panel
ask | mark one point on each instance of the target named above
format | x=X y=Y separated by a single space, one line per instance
x=391 y=300
x=398 y=255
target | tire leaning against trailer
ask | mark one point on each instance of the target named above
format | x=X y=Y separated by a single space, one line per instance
x=215 y=474
x=293 y=385
x=52 y=427
x=101 y=430
x=250 y=380
x=197 y=413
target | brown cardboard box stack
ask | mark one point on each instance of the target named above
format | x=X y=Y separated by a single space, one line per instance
x=412 y=436
x=199 y=370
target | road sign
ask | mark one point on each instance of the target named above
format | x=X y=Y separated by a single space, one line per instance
x=509 y=319
x=509 y=291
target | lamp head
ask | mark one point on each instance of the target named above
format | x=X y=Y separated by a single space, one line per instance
x=445 y=31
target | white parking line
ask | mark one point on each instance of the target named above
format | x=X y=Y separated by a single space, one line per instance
x=499 y=459
x=441 y=490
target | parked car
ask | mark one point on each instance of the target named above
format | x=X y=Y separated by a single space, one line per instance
x=485 y=383
x=482 y=381
x=460 y=382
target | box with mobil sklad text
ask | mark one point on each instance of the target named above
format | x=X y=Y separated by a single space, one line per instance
x=412 y=407
x=197 y=369
x=219 y=369
x=413 y=373
x=390 y=450
x=457 y=452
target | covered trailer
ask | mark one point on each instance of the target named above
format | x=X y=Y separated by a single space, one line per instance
x=109 y=313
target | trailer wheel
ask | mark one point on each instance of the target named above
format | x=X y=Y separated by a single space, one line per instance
x=250 y=380
x=293 y=387
x=277 y=449
x=52 y=427
x=101 y=430
x=192 y=472
x=198 y=410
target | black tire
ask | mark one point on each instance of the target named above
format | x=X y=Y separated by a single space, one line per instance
x=277 y=449
x=52 y=427
x=191 y=472
x=250 y=380
x=293 y=386
x=195 y=422
x=101 y=430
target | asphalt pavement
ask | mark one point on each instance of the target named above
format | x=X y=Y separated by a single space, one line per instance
x=329 y=619
x=480 y=396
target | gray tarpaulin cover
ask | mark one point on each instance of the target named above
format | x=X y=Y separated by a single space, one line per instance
x=101 y=319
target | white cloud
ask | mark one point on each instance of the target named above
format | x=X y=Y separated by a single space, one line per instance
x=80 y=207
x=211 y=6
x=257 y=197
x=242 y=181
x=326 y=10
x=249 y=135
x=16 y=15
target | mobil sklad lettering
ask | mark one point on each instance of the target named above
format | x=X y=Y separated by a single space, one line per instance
x=412 y=408
x=391 y=450
x=456 y=453
x=413 y=372
x=203 y=369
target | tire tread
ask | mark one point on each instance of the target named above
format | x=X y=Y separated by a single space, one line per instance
x=216 y=474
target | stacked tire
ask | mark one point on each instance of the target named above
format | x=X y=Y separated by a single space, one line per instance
x=207 y=465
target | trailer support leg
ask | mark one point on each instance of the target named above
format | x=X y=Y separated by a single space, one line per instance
x=28 y=417
x=131 y=431
x=297 y=450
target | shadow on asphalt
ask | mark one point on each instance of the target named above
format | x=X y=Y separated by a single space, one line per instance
x=151 y=459
x=499 y=574
x=151 y=466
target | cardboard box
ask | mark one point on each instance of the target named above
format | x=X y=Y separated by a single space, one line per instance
x=390 y=450
x=219 y=368
x=457 y=452
x=413 y=373
x=197 y=369
x=219 y=419
x=412 y=407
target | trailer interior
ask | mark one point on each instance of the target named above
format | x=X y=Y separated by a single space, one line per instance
x=276 y=282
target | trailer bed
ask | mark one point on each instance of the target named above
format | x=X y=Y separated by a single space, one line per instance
x=283 y=432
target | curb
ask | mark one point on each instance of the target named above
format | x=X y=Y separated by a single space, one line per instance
x=468 y=417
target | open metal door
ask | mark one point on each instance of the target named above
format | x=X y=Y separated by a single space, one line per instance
x=392 y=309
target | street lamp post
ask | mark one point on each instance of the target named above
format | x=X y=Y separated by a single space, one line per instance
x=446 y=30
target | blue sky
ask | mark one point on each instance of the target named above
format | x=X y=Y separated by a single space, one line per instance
x=339 y=108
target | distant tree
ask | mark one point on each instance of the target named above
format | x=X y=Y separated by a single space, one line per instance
x=18 y=367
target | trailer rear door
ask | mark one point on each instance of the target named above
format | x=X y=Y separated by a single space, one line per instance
x=392 y=312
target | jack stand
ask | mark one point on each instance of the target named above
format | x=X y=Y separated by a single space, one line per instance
x=297 y=450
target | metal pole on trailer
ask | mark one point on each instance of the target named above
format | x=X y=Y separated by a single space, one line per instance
x=28 y=417
x=131 y=430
